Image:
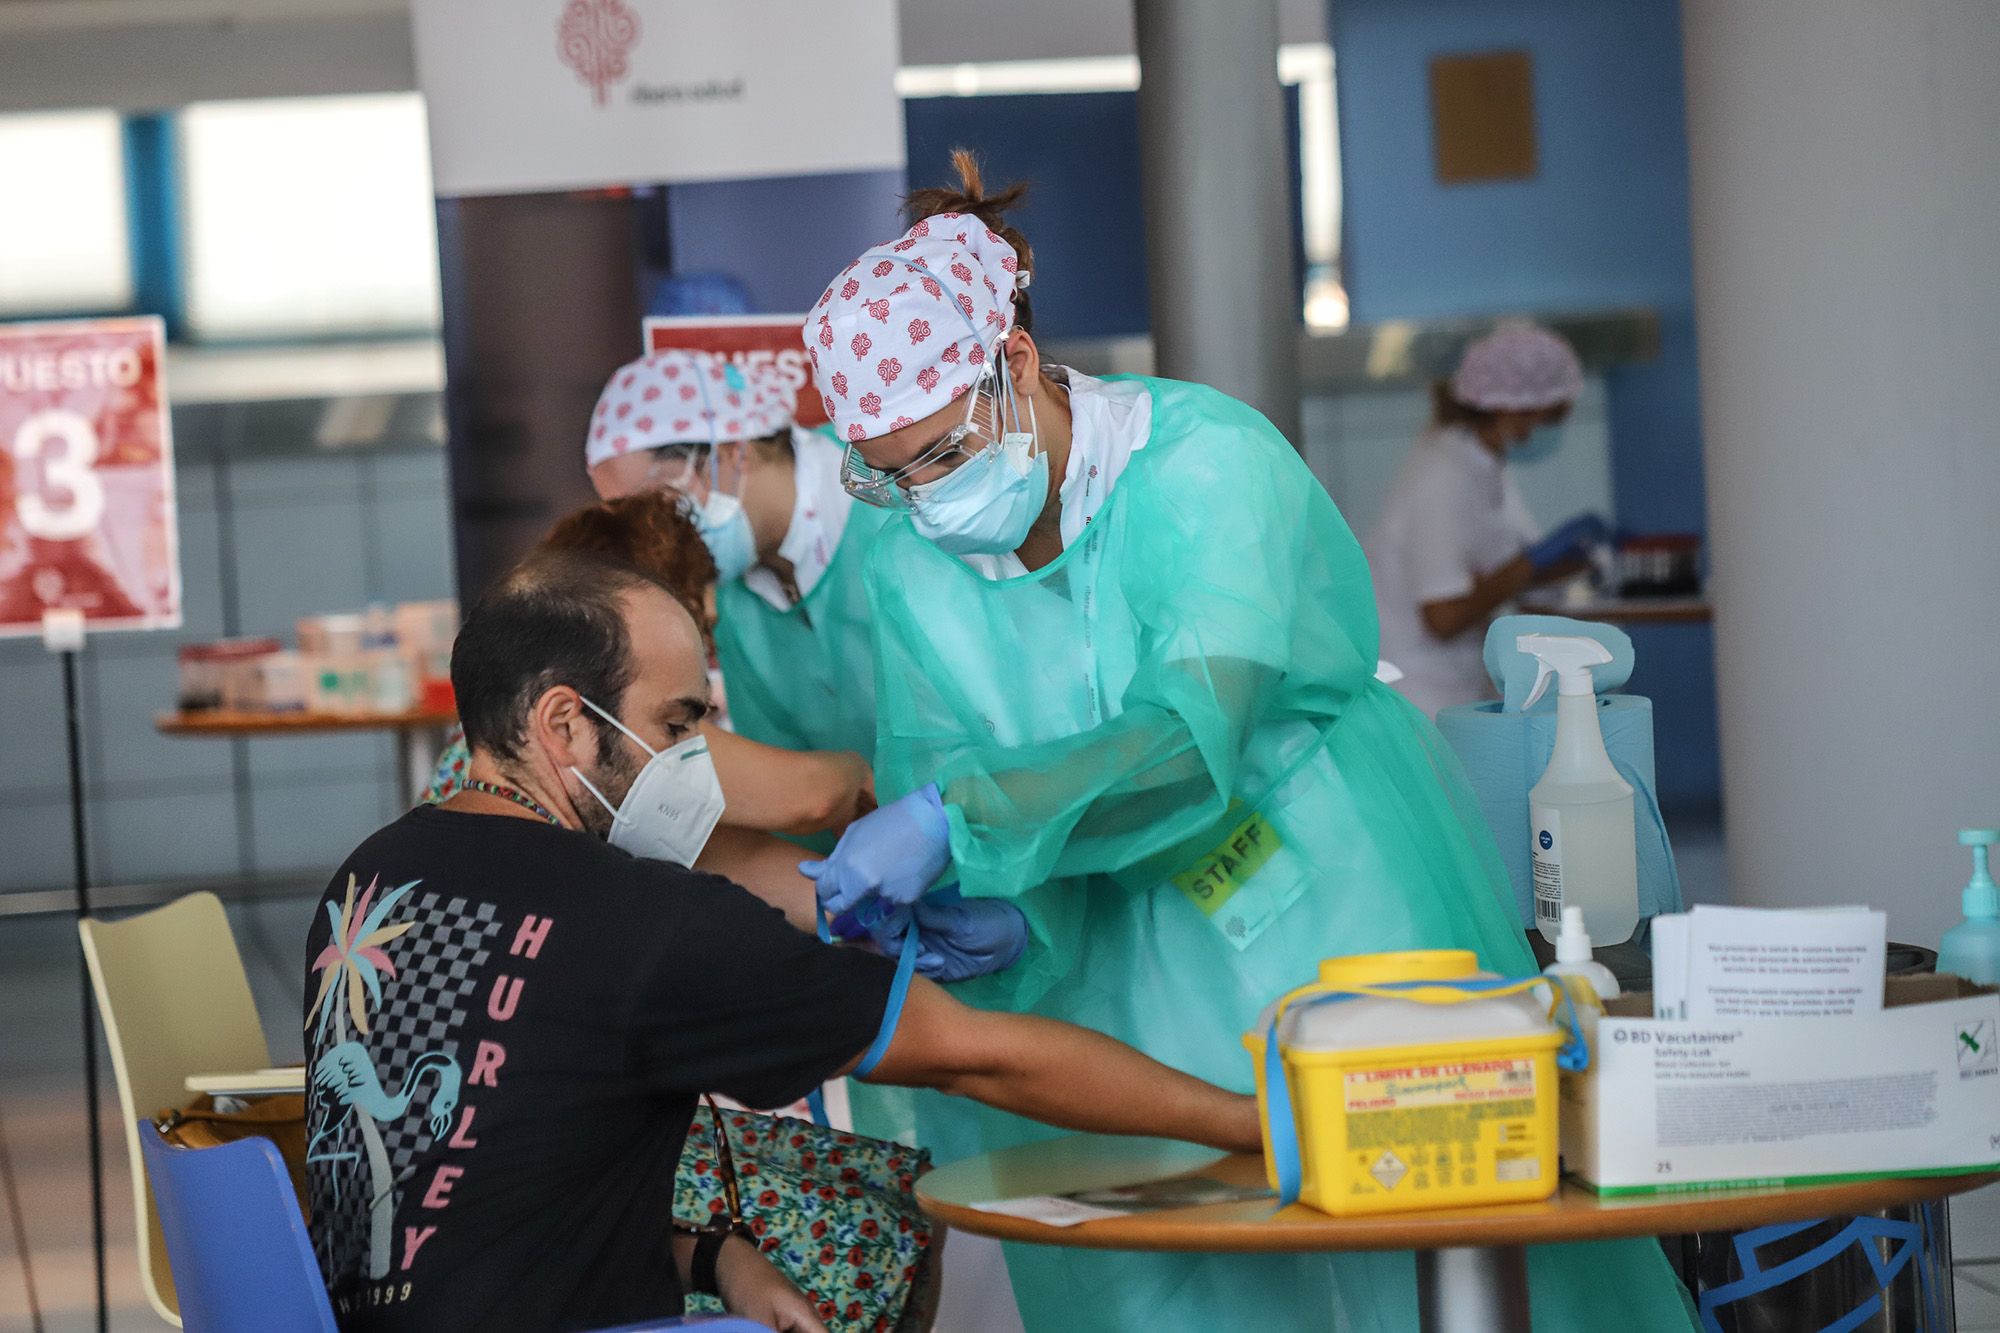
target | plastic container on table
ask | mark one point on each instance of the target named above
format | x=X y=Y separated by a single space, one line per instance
x=1403 y=1104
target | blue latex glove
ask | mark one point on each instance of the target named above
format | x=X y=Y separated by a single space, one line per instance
x=957 y=938
x=893 y=853
x=1571 y=541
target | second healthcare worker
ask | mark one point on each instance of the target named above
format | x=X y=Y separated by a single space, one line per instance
x=789 y=543
x=1455 y=541
x=1124 y=632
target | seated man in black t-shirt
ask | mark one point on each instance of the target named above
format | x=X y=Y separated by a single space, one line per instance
x=510 y=1021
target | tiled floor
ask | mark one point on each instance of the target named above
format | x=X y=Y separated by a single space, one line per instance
x=41 y=1112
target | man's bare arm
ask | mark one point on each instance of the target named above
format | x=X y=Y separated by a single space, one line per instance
x=1058 y=1073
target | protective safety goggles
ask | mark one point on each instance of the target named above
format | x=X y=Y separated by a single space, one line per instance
x=693 y=471
x=991 y=404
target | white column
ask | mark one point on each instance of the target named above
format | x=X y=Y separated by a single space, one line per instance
x=1846 y=189
x=1225 y=300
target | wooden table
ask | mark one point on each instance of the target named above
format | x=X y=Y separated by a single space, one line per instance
x=1628 y=611
x=1471 y=1265
x=419 y=732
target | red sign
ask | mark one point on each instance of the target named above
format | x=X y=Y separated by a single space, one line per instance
x=748 y=340
x=87 y=476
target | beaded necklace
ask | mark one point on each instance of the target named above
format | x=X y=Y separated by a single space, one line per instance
x=521 y=799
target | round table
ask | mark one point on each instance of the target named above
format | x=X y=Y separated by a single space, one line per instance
x=1471 y=1265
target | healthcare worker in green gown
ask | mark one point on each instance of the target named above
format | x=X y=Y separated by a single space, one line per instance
x=789 y=544
x=1121 y=631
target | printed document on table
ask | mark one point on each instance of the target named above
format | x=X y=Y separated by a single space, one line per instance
x=1048 y=1209
x=1747 y=963
x=1148 y=1196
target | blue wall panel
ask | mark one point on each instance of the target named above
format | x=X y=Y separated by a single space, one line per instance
x=782 y=238
x=1080 y=154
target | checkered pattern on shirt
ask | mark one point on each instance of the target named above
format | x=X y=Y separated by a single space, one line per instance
x=423 y=1005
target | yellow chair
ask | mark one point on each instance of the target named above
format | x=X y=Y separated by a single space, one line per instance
x=175 y=1001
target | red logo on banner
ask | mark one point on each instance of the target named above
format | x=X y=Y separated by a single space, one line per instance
x=748 y=340
x=594 y=38
x=86 y=476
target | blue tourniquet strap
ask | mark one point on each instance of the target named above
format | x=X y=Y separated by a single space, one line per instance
x=892 y=1013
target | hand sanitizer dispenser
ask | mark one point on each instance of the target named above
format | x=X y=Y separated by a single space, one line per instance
x=1580 y=813
x=1971 y=949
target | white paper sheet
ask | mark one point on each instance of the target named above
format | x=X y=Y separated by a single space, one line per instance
x=1051 y=1209
x=1750 y=963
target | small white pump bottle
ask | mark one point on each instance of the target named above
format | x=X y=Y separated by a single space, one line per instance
x=1573 y=960
x=1580 y=813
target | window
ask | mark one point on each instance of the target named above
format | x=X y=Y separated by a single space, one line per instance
x=1310 y=67
x=309 y=217
x=63 y=232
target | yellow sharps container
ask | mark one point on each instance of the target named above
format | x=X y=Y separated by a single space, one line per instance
x=1426 y=1097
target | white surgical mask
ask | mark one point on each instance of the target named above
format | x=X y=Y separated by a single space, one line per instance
x=673 y=804
x=987 y=504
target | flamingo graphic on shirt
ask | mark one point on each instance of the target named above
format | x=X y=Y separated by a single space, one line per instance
x=351 y=969
x=348 y=1073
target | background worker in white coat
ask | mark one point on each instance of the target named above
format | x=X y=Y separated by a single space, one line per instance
x=1455 y=542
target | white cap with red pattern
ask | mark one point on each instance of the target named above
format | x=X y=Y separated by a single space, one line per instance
x=668 y=398
x=773 y=400
x=908 y=326
x=1519 y=367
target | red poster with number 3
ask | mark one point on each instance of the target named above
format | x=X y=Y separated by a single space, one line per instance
x=87 y=518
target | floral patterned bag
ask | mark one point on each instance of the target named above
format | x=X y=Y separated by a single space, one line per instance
x=836 y=1213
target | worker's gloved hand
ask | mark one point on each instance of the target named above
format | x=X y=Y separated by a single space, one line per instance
x=961 y=938
x=1570 y=541
x=894 y=854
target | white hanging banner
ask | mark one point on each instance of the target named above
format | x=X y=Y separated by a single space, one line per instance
x=527 y=95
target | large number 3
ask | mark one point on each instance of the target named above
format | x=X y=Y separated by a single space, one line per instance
x=76 y=511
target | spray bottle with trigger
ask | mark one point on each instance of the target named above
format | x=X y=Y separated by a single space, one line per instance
x=1580 y=814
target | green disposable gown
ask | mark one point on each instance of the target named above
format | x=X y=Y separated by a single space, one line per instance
x=1198 y=667
x=804 y=678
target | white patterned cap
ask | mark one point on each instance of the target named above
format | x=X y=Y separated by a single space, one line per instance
x=673 y=397
x=773 y=399
x=908 y=326
x=1519 y=367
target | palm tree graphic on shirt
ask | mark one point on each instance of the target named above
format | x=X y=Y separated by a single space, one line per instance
x=351 y=968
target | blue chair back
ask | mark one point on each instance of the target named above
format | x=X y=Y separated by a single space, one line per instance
x=242 y=1260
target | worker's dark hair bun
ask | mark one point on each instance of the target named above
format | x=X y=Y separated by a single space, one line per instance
x=970 y=196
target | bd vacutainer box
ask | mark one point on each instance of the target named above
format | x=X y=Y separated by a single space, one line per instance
x=1682 y=1105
